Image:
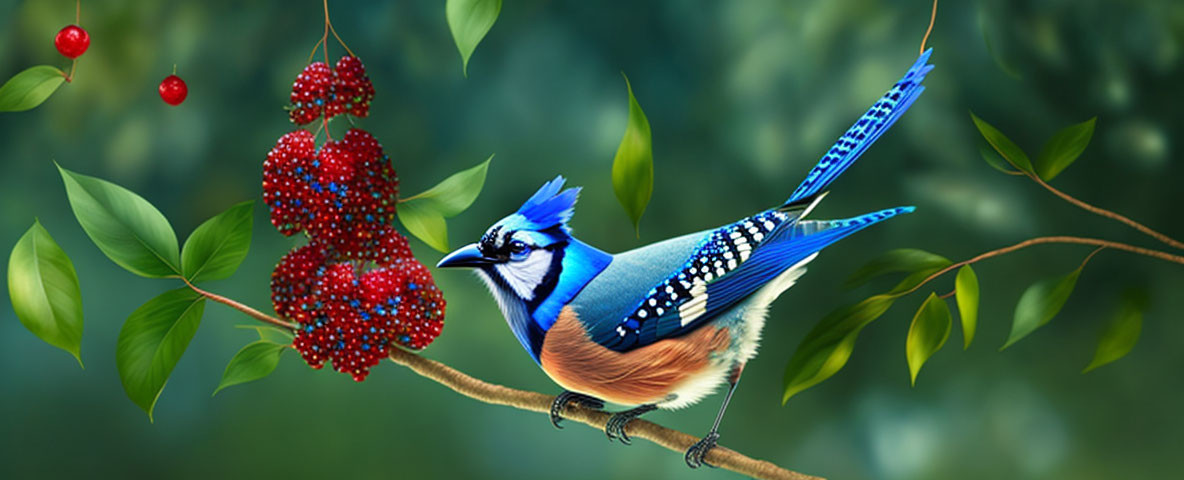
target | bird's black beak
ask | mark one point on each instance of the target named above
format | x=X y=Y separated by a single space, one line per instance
x=466 y=256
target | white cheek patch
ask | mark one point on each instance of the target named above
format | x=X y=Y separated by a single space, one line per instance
x=525 y=275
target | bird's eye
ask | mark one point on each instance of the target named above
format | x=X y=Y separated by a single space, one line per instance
x=518 y=247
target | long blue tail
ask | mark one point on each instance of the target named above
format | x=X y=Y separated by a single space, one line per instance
x=870 y=126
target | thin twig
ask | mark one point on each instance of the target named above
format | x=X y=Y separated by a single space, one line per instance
x=537 y=402
x=1108 y=214
x=251 y=312
x=313 y=54
x=932 y=18
x=1045 y=240
x=334 y=30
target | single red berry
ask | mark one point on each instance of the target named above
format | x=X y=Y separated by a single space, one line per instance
x=288 y=182
x=72 y=41
x=309 y=93
x=173 y=90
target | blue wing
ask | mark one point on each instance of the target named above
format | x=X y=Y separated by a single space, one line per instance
x=730 y=264
x=866 y=130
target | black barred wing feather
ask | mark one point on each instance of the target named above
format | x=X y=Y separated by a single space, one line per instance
x=680 y=297
x=731 y=264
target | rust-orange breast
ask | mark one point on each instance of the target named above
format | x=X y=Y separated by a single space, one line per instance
x=641 y=375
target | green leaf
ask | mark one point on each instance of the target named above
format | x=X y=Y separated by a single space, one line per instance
x=633 y=166
x=966 y=293
x=469 y=21
x=152 y=340
x=995 y=161
x=30 y=88
x=1039 y=304
x=826 y=349
x=1063 y=148
x=256 y=360
x=424 y=221
x=1008 y=149
x=128 y=229
x=1122 y=333
x=906 y=260
x=43 y=287
x=455 y=193
x=927 y=334
x=216 y=248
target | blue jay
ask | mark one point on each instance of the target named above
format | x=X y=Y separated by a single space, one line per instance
x=663 y=325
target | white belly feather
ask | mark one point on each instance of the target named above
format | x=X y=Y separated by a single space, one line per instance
x=746 y=336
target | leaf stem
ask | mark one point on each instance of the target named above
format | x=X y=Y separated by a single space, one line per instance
x=250 y=312
x=674 y=440
x=1045 y=240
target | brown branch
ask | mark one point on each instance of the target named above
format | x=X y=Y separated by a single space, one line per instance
x=537 y=402
x=1108 y=214
x=1044 y=240
x=486 y=392
x=251 y=312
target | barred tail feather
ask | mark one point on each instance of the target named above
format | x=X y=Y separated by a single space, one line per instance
x=866 y=130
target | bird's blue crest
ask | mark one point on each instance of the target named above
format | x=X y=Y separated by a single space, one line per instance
x=550 y=207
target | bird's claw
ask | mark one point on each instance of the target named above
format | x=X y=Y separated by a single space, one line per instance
x=615 y=427
x=698 y=451
x=563 y=399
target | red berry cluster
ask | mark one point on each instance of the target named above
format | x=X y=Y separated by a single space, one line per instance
x=355 y=288
x=351 y=321
x=319 y=90
x=342 y=194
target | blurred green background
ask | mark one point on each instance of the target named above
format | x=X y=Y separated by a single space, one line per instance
x=742 y=98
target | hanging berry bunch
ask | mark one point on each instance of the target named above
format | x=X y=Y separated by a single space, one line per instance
x=355 y=288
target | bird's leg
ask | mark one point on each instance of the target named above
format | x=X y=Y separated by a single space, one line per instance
x=695 y=454
x=567 y=397
x=615 y=428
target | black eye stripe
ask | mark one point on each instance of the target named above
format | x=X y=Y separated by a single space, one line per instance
x=488 y=243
